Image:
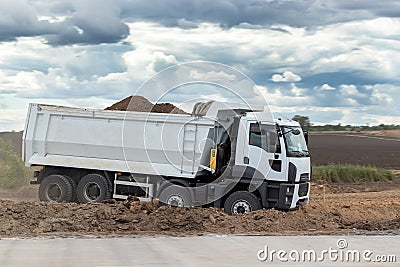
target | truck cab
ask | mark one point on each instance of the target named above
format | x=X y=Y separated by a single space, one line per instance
x=269 y=159
x=279 y=153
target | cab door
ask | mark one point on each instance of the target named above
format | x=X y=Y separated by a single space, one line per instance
x=266 y=151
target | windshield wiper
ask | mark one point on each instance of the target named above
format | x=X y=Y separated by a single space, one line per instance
x=303 y=153
x=298 y=153
x=293 y=131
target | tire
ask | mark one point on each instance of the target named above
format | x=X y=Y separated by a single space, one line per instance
x=241 y=202
x=175 y=196
x=55 y=188
x=93 y=188
x=74 y=186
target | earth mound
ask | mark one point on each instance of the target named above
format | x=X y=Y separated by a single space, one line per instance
x=330 y=214
x=141 y=104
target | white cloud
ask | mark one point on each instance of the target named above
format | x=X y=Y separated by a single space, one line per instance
x=277 y=98
x=359 y=58
x=362 y=117
x=349 y=89
x=212 y=75
x=160 y=61
x=325 y=87
x=387 y=96
x=286 y=76
x=297 y=91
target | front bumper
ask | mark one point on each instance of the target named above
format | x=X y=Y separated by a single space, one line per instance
x=287 y=196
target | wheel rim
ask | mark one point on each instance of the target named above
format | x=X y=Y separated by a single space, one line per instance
x=176 y=201
x=92 y=191
x=53 y=192
x=241 y=206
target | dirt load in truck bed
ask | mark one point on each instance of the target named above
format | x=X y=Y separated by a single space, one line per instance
x=334 y=214
x=140 y=103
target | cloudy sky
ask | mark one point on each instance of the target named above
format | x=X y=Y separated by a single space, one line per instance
x=336 y=61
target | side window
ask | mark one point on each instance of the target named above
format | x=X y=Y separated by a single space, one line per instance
x=255 y=135
x=264 y=136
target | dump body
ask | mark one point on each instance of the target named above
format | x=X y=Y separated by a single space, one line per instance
x=134 y=142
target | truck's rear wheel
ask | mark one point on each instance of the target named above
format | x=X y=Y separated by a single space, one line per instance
x=55 y=188
x=93 y=188
x=241 y=202
x=74 y=198
x=175 y=196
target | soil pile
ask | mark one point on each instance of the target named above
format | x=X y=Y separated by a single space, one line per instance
x=331 y=214
x=141 y=104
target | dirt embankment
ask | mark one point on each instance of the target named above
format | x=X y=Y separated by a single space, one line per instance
x=334 y=213
x=139 y=103
x=384 y=133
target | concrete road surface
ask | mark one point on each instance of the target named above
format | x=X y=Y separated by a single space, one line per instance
x=204 y=251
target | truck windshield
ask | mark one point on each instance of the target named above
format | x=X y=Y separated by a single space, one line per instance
x=295 y=143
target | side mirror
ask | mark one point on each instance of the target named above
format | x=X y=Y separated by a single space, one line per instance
x=295 y=131
x=306 y=136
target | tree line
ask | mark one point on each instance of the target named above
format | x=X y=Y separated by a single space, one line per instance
x=307 y=125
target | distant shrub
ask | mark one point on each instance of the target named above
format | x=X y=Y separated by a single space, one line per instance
x=12 y=170
x=346 y=173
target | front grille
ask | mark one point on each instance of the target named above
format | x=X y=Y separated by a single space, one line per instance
x=303 y=190
x=304 y=177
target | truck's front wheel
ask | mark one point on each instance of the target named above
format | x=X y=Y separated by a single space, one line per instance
x=55 y=188
x=241 y=202
x=93 y=188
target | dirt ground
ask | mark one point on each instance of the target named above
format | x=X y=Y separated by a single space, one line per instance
x=384 y=133
x=351 y=149
x=337 y=209
x=26 y=192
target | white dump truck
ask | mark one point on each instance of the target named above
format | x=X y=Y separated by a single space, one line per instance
x=228 y=156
